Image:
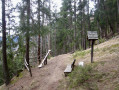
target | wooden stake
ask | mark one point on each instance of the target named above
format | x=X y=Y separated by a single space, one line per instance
x=92 y=45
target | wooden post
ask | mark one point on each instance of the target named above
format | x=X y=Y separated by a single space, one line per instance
x=92 y=45
x=28 y=67
x=30 y=70
x=92 y=36
x=46 y=60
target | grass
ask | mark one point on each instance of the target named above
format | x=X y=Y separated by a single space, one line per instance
x=89 y=76
x=15 y=79
x=101 y=40
x=117 y=87
x=102 y=51
x=111 y=49
x=80 y=53
x=85 y=77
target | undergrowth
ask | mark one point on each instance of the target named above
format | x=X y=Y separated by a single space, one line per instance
x=84 y=77
x=80 y=53
x=15 y=79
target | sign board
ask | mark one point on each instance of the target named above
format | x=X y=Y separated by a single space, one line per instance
x=92 y=35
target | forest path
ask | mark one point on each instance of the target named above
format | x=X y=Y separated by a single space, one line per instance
x=46 y=78
x=49 y=77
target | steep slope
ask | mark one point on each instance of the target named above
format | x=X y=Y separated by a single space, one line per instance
x=51 y=76
x=46 y=78
x=103 y=74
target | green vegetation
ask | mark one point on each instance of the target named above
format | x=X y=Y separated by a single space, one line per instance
x=81 y=54
x=15 y=79
x=1 y=75
x=117 y=87
x=111 y=49
x=101 y=40
x=89 y=77
x=85 y=77
x=61 y=31
x=15 y=58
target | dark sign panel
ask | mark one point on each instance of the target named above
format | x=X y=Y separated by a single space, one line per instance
x=92 y=35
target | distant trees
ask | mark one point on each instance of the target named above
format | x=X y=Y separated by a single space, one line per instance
x=62 y=32
x=76 y=18
x=106 y=17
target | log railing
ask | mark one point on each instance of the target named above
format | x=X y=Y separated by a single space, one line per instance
x=44 y=60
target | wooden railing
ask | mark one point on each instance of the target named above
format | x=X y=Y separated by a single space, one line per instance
x=27 y=67
x=26 y=64
x=44 y=60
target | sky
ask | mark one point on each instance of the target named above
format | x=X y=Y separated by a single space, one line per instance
x=56 y=4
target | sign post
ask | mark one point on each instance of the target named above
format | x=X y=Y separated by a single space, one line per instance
x=92 y=36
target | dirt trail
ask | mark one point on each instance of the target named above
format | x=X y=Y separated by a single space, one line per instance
x=46 y=78
x=49 y=77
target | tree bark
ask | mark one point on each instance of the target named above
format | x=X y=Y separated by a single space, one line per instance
x=75 y=25
x=5 y=64
x=49 y=36
x=27 y=35
x=39 y=58
x=89 y=25
x=118 y=6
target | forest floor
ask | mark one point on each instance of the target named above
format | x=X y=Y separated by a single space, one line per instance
x=50 y=76
x=46 y=78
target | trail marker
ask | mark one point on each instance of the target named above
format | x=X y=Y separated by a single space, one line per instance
x=92 y=36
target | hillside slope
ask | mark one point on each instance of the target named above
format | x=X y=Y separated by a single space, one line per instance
x=46 y=78
x=51 y=76
x=103 y=74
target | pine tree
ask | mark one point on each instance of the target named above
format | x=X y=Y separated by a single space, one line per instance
x=27 y=34
x=5 y=64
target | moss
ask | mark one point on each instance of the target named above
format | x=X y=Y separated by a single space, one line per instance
x=15 y=79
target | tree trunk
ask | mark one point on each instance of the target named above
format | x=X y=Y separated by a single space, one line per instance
x=49 y=40
x=27 y=35
x=75 y=25
x=41 y=47
x=118 y=6
x=81 y=33
x=117 y=16
x=39 y=58
x=89 y=25
x=5 y=65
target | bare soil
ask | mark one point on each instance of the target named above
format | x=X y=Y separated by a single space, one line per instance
x=50 y=76
x=46 y=78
